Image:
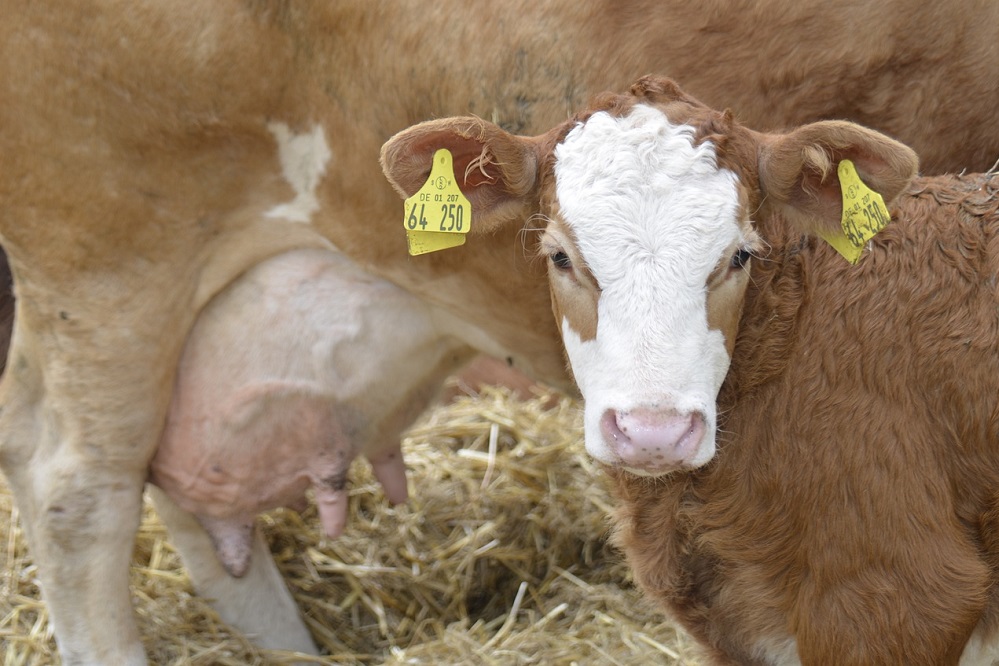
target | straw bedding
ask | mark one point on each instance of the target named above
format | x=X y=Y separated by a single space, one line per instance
x=499 y=557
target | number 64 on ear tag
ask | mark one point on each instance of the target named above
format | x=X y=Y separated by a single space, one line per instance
x=438 y=216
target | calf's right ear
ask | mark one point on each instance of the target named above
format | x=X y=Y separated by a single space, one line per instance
x=496 y=170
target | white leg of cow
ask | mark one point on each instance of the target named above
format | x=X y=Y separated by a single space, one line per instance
x=76 y=453
x=258 y=603
x=80 y=518
x=85 y=574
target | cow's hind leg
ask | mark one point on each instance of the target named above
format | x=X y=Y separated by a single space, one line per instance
x=82 y=404
x=80 y=515
x=258 y=603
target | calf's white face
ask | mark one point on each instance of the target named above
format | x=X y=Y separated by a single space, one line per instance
x=646 y=204
x=648 y=241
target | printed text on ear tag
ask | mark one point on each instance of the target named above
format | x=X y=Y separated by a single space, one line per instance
x=864 y=214
x=438 y=216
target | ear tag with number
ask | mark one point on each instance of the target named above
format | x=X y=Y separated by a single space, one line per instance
x=438 y=216
x=864 y=214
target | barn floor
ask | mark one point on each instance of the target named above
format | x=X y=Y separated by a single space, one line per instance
x=499 y=557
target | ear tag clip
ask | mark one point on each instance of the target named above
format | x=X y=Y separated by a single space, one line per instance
x=864 y=214
x=438 y=216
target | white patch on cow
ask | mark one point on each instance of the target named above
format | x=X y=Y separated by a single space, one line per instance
x=981 y=650
x=652 y=214
x=777 y=651
x=303 y=162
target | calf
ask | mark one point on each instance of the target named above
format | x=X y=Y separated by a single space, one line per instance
x=154 y=153
x=806 y=452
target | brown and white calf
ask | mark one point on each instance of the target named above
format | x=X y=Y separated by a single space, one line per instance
x=806 y=452
x=154 y=153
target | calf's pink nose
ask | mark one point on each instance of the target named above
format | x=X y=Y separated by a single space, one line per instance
x=653 y=439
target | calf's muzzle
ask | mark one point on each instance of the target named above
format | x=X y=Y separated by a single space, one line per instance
x=652 y=440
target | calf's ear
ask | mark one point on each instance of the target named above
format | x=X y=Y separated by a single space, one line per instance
x=496 y=170
x=798 y=170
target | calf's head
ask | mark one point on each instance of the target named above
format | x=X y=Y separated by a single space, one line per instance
x=647 y=208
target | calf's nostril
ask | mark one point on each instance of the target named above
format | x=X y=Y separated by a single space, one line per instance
x=611 y=429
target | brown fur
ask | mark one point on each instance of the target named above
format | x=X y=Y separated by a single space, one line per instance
x=851 y=503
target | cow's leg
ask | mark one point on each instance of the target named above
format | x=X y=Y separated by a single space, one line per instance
x=80 y=515
x=258 y=603
x=82 y=403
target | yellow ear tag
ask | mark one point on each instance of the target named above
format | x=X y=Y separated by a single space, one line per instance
x=864 y=214
x=438 y=216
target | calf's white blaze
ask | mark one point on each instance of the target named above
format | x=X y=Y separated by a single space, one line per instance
x=652 y=216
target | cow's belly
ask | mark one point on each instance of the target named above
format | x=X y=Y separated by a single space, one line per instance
x=296 y=368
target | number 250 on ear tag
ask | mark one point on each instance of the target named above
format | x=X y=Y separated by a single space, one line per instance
x=864 y=214
x=438 y=216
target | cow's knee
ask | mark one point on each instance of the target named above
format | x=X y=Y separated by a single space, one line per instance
x=80 y=521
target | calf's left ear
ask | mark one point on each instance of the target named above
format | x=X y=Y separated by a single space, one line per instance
x=798 y=170
x=497 y=171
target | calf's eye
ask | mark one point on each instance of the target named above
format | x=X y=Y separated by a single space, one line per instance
x=561 y=260
x=740 y=258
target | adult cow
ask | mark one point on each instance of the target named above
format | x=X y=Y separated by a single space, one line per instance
x=154 y=153
x=835 y=501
